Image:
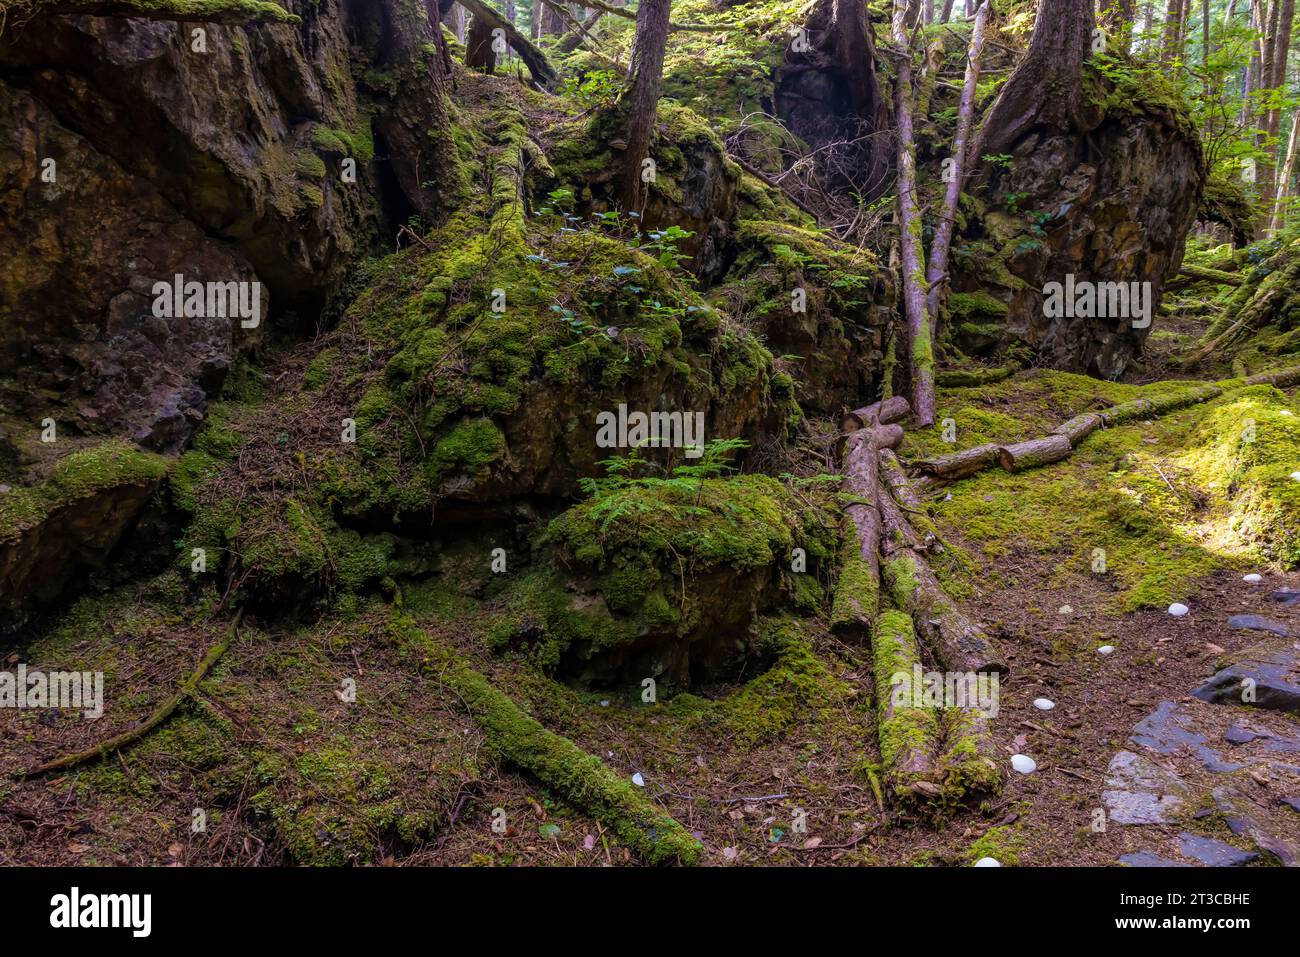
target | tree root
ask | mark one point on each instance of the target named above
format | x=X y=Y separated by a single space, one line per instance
x=159 y=715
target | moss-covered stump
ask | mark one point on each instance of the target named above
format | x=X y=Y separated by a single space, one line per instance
x=668 y=576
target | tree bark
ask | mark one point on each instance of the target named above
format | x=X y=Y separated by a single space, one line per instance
x=640 y=100
x=920 y=346
x=937 y=271
x=856 y=598
x=1033 y=453
x=539 y=67
x=478 y=46
x=1046 y=89
x=1288 y=172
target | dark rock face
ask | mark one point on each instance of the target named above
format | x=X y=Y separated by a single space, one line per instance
x=1112 y=206
x=214 y=151
x=78 y=259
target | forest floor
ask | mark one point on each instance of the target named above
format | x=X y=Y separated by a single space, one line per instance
x=776 y=768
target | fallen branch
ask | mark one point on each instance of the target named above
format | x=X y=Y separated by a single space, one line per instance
x=961 y=378
x=1062 y=440
x=159 y=715
x=959 y=643
x=538 y=66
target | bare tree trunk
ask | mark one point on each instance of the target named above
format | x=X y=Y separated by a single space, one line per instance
x=1288 y=171
x=640 y=99
x=909 y=216
x=1171 y=46
x=937 y=273
x=478 y=46
x=947 y=11
x=457 y=21
x=1047 y=87
x=535 y=21
x=1266 y=172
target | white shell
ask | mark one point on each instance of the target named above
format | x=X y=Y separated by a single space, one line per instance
x=638 y=780
x=1178 y=610
x=1065 y=610
x=1024 y=763
x=1106 y=650
x=1044 y=704
x=987 y=862
x=1252 y=578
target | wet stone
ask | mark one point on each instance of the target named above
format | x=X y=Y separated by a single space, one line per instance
x=1274 y=685
x=1213 y=853
x=1258 y=623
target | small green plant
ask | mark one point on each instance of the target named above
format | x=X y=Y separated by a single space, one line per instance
x=595 y=89
x=627 y=471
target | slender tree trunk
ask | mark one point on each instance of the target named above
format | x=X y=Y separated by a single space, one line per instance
x=456 y=20
x=1265 y=171
x=1288 y=171
x=937 y=273
x=909 y=216
x=947 y=11
x=641 y=96
x=478 y=46
x=1171 y=46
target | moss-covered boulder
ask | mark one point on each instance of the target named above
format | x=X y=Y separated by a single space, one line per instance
x=666 y=578
x=55 y=531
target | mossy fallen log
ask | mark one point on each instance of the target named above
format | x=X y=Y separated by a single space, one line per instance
x=957 y=641
x=970 y=762
x=857 y=590
x=1047 y=449
x=519 y=740
x=966 y=378
x=1205 y=274
x=908 y=735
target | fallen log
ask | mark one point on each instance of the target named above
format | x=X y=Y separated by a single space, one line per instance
x=908 y=735
x=960 y=464
x=1048 y=449
x=1034 y=452
x=1205 y=274
x=539 y=67
x=894 y=409
x=1080 y=427
x=959 y=643
x=907 y=498
x=857 y=590
x=970 y=762
x=965 y=378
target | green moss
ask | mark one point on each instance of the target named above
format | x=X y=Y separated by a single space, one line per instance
x=797 y=685
x=112 y=464
x=205 y=11
x=902 y=731
x=962 y=306
x=578 y=777
x=1003 y=844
